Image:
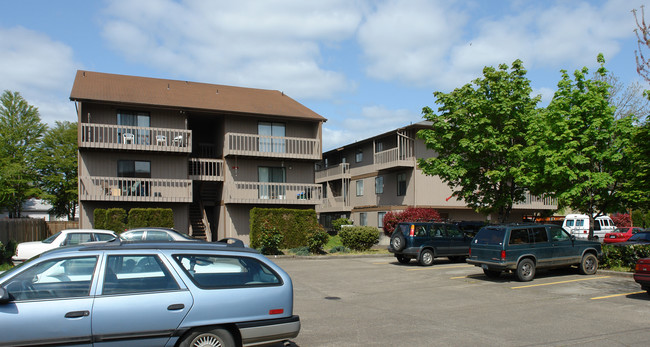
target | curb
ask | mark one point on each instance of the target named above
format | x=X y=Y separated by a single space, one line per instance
x=615 y=273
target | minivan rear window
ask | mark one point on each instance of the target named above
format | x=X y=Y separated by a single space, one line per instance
x=489 y=236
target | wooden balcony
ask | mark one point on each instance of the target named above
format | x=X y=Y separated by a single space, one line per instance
x=122 y=137
x=272 y=146
x=333 y=173
x=394 y=157
x=135 y=189
x=201 y=169
x=273 y=193
x=334 y=204
x=534 y=202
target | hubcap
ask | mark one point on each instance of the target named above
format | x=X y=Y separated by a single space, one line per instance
x=206 y=340
x=396 y=242
x=427 y=257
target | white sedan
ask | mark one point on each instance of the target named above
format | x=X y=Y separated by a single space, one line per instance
x=67 y=237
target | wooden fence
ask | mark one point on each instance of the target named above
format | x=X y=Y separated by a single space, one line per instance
x=28 y=229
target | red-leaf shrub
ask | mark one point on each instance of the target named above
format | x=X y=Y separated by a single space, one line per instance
x=622 y=220
x=411 y=214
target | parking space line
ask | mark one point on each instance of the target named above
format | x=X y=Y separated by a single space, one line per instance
x=615 y=295
x=560 y=282
x=439 y=267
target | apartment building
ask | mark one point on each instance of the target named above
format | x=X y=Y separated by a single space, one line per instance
x=366 y=179
x=209 y=152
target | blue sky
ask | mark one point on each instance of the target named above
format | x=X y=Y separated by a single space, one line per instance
x=366 y=66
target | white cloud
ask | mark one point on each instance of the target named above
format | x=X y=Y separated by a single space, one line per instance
x=373 y=121
x=40 y=69
x=434 y=43
x=274 y=45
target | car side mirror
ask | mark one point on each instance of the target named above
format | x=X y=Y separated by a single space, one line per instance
x=4 y=296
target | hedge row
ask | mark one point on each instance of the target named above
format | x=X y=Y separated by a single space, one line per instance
x=273 y=229
x=359 y=238
x=623 y=256
x=116 y=219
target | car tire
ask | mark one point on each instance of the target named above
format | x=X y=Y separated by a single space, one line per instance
x=397 y=241
x=207 y=337
x=402 y=259
x=492 y=273
x=588 y=265
x=526 y=270
x=426 y=257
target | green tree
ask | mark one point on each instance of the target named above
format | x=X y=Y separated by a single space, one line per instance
x=576 y=148
x=56 y=162
x=478 y=136
x=636 y=190
x=20 y=133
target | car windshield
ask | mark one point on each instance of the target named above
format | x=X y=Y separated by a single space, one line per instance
x=51 y=238
x=640 y=237
x=489 y=236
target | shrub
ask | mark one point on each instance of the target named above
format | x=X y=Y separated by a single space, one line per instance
x=295 y=225
x=411 y=214
x=359 y=238
x=336 y=224
x=270 y=240
x=623 y=256
x=622 y=220
x=99 y=218
x=339 y=249
x=317 y=239
x=300 y=251
x=7 y=251
x=115 y=218
x=150 y=217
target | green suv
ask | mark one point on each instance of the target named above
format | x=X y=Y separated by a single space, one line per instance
x=523 y=248
x=425 y=241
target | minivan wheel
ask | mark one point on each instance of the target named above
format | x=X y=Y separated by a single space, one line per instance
x=397 y=241
x=207 y=337
x=525 y=270
x=426 y=257
x=402 y=259
x=588 y=265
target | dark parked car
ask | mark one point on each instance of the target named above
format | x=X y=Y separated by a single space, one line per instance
x=523 y=248
x=168 y=293
x=642 y=238
x=642 y=273
x=425 y=241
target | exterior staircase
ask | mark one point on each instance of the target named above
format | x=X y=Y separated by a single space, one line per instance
x=197 y=228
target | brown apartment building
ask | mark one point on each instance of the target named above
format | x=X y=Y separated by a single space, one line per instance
x=208 y=152
x=364 y=180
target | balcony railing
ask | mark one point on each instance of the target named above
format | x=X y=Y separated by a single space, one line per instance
x=206 y=169
x=273 y=193
x=135 y=189
x=272 y=146
x=537 y=202
x=112 y=136
x=394 y=157
x=333 y=173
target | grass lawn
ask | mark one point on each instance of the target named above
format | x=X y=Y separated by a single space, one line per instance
x=5 y=267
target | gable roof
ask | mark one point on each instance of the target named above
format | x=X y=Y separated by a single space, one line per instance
x=104 y=87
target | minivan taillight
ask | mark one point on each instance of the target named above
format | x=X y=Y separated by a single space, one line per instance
x=470 y=252
x=503 y=255
x=412 y=232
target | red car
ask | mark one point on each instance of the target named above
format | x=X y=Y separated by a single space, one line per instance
x=642 y=273
x=621 y=234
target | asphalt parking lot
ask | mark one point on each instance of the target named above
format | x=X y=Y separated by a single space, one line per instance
x=361 y=301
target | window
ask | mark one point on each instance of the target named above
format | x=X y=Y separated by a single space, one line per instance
x=359 y=187
x=569 y=222
x=133 y=119
x=363 y=216
x=271 y=175
x=270 y=134
x=104 y=237
x=214 y=272
x=135 y=274
x=539 y=235
x=380 y=219
x=379 y=184
x=57 y=278
x=134 y=169
x=359 y=156
x=401 y=184
x=519 y=236
x=558 y=234
x=77 y=238
x=379 y=146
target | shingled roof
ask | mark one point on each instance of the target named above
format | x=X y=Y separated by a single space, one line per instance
x=104 y=87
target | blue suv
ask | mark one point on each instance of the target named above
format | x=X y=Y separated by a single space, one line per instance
x=523 y=248
x=148 y=294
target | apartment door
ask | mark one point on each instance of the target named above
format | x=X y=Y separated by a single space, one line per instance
x=271 y=137
x=267 y=176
